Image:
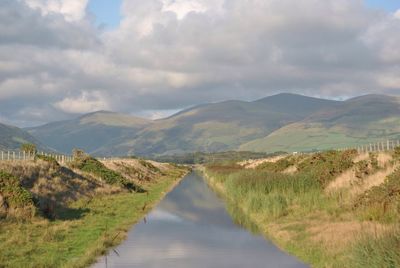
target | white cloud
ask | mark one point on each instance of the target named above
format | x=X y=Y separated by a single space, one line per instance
x=397 y=14
x=182 y=8
x=86 y=103
x=168 y=54
x=72 y=10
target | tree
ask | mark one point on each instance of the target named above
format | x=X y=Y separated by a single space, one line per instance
x=78 y=154
x=28 y=148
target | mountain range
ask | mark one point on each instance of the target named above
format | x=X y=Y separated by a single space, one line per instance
x=283 y=122
x=11 y=138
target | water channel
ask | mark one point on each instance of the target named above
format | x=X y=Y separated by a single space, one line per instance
x=192 y=228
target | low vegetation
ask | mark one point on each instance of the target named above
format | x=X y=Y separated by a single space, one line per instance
x=331 y=209
x=53 y=215
x=206 y=158
x=15 y=201
x=93 y=166
x=382 y=202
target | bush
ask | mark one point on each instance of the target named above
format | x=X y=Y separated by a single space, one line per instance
x=79 y=154
x=28 y=148
x=15 y=196
x=49 y=159
x=325 y=166
x=149 y=166
x=381 y=202
x=396 y=153
x=278 y=166
x=92 y=165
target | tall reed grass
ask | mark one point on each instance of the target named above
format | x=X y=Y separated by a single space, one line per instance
x=382 y=250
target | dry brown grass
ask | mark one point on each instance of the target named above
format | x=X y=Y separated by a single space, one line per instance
x=361 y=157
x=384 y=159
x=280 y=231
x=51 y=184
x=344 y=180
x=253 y=163
x=373 y=180
x=290 y=170
x=348 y=179
x=134 y=170
x=336 y=235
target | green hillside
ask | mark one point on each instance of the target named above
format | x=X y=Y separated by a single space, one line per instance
x=11 y=137
x=88 y=132
x=219 y=126
x=284 y=122
x=357 y=121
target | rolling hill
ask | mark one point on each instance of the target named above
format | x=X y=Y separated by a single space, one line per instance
x=357 y=121
x=209 y=127
x=11 y=138
x=89 y=132
x=284 y=122
x=220 y=126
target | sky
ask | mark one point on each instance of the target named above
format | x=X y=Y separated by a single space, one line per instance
x=63 y=58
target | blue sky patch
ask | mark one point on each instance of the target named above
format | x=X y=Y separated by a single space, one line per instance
x=388 y=5
x=107 y=12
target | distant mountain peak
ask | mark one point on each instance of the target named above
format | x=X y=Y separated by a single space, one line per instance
x=12 y=137
x=113 y=119
x=373 y=97
x=287 y=96
x=100 y=112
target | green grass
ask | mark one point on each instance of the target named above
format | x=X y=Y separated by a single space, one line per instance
x=88 y=228
x=297 y=202
x=318 y=136
x=91 y=165
x=379 y=251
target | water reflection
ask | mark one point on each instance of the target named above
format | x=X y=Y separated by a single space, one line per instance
x=191 y=228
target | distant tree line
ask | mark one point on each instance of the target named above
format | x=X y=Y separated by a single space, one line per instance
x=206 y=158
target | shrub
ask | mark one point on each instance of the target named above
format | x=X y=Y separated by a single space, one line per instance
x=149 y=166
x=28 y=148
x=278 y=166
x=374 y=160
x=49 y=159
x=92 y=165
x=326 y=166
x=381 y=202
x=78 y=154
x=15 y=196
x=396 y=153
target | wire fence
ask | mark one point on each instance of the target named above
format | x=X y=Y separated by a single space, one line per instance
x=10 y=155
x=380 y=146
x=18 y=155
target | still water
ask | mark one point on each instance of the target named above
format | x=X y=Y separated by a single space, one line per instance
x=192 y=228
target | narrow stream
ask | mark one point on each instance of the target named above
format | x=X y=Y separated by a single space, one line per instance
x=192 y=228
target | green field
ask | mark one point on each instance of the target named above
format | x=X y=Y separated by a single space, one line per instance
x=81 y=231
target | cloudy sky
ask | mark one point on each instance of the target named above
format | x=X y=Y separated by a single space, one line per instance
x=60 y=58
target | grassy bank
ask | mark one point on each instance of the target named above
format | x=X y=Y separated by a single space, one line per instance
x=332 y=209
x=84 y=227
